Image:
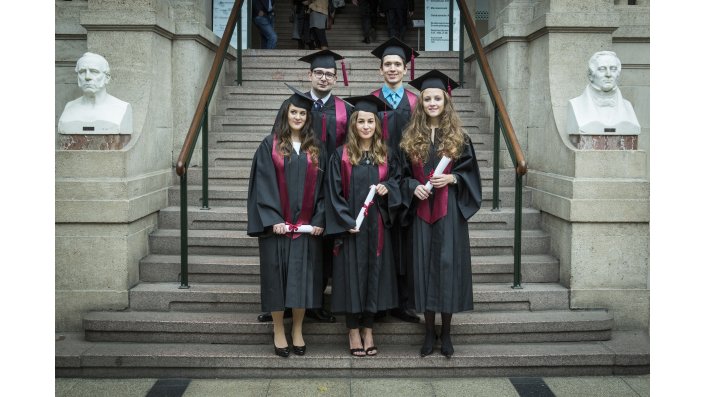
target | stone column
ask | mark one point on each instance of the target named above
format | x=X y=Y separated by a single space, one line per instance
x=107 y=200
x=595 y=203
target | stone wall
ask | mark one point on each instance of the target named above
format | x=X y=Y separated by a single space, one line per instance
x=107 y=200
x=595 y=203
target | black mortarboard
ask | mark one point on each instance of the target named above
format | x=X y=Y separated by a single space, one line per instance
x=325 y=59
x=322 y=59
x=395 y=46
x=367 y=103
x=434 y=79
x=300 y=99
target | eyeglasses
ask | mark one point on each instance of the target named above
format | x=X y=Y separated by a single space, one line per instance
x=320 y=74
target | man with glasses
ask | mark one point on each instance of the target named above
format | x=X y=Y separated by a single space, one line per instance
x=330 y=122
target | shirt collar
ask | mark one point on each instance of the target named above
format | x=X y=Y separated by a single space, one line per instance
x=386 y=91
x=324 y=99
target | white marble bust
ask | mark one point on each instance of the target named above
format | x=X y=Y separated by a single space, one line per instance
x=601 y=109
x=96 y=112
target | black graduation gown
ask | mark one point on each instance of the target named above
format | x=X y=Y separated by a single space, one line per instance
x=440 y=252
x=397 y=118
x=329 y=110
x=362 y=281
x=290 y=269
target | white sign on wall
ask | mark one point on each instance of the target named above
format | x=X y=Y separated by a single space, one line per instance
x=221 y=13
x=437 y=25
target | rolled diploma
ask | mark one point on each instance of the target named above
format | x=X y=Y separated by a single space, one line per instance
x=368 y=199
x=301 y=229
x=439 y=170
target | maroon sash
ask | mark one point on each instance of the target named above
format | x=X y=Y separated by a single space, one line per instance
x=309 y=186
x=346 y=174
x=341 y=119
x=439 y=197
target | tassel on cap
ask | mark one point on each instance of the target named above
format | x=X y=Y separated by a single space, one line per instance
x=345 y=73
x=412 y=63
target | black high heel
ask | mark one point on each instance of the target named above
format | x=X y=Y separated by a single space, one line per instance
x=427 y=347
x=281 y=351
x=447 y=346
x=299 y=350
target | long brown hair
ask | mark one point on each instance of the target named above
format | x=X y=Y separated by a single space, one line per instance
x=378 y=149
x=309 y=141
x=450 y=136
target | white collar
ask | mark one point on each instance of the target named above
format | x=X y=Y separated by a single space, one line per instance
x=324 y=99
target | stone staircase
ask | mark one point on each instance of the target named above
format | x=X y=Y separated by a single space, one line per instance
x=211 y=329
x=347 y=29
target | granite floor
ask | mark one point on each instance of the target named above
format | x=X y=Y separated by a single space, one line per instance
x=613 y=386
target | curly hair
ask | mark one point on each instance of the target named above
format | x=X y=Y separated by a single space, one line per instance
x=309 y=141
x=450 y=136
x=378 y=149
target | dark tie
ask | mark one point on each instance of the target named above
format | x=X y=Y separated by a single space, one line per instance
x=318 y=104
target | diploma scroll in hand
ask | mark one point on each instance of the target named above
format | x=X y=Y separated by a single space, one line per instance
x=439 y=171
x=363 y=211
x=291 y=228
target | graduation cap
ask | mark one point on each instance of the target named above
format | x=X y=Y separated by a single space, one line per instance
x=326 y=59
x=395 y=46
x=371 y=103
x=367 y=103
x=434 y=79
x=300 y=99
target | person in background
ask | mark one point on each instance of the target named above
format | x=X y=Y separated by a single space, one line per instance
x=397 y=13
x=439 y=239
x=263 y=17
x=364 y=278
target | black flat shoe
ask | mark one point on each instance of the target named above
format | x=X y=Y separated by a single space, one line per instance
x=427 y=347
x=321 y=315
x=407 y=315
x=447 y=346
x=281 y=351
x=267 y=317
x=299 y=350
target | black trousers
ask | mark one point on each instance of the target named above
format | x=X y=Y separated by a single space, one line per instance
x=396 y=22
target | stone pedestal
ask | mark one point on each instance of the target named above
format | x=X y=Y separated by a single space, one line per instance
x=604 y=142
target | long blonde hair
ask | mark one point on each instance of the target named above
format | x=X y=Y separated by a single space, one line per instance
x=309 y=142
x=450 y=136
x=378 y=149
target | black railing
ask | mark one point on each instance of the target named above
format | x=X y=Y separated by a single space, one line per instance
x=199 y=124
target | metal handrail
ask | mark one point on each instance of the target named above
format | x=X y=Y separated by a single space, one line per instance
x=504 y=125
x=198 y=123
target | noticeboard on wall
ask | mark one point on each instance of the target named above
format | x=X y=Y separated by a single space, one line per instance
x=221 y=13
x=436 y=25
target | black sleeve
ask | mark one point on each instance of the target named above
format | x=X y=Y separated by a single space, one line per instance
x=263 y=206
x=467 y=173
x=339 y=219
x=319 y=210
x=391 y=203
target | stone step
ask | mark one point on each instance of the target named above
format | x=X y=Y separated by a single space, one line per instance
x=627 y=352
x=239 y=176
x=236 y=195
x=214 y=297
x=242 y=157
x=279 y=94
x=235 y=218
x=354 y=60
x=221 y=123
x=233 y=242
x=245 y=269
x=243 y=328
x=251 y=137
x=269 y=108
